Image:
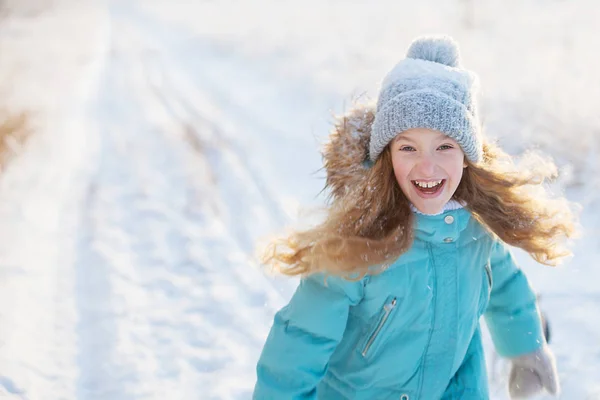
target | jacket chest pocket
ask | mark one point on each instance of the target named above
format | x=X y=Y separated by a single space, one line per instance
x=486 y=288
x=376 y=333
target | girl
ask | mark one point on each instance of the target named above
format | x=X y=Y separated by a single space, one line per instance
x=414 y=251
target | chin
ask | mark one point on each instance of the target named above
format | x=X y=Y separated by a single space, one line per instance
x=429 y=208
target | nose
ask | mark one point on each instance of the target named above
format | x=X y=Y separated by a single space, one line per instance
x=426 y=166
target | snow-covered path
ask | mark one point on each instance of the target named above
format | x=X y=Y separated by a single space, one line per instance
x=169 y=305
x=128 y=228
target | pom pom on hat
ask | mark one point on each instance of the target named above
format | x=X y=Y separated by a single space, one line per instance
x=439 y=49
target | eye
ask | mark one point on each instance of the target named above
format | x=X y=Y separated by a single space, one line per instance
x=406 y=148
x=445 y=147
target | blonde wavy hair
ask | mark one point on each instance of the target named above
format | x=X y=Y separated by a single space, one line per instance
x=369 y=221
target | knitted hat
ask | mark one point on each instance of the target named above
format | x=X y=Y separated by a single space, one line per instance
x=429 y=89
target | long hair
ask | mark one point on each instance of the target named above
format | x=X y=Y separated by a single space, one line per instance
x=369 y=221
x=513 y=203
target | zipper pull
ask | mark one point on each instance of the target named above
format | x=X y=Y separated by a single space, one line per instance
x=390 y=306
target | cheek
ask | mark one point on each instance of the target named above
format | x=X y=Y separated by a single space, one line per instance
x=401 y=169
x=455 y=169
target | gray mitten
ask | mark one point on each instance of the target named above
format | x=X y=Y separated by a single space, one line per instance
x=533 y=372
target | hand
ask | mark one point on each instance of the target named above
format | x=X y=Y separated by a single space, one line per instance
x=533 y=372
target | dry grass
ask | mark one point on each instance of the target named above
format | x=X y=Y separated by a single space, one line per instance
x=14 y=131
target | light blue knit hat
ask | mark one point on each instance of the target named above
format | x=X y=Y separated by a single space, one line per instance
x=429 y=89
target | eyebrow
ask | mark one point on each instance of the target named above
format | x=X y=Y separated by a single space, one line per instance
x=400 y=137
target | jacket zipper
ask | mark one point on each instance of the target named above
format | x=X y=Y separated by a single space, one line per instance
x=488 y=271
x=387 y=309
x=430 y=250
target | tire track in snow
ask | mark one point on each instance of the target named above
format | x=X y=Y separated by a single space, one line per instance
x=240 y=184
x=248 y=201
x=242 y=191
x=100 y=372
x=238 y=191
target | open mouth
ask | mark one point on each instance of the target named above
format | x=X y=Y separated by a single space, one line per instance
x=429 y=187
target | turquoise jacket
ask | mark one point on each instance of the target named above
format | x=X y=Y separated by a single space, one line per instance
x=411 y=332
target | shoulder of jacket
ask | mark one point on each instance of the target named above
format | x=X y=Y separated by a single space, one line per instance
x=476 y=230
x=351 y=288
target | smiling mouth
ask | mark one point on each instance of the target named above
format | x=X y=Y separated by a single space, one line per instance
x=429 y=187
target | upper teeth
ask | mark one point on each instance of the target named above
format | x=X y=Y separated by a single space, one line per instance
x=428 y=184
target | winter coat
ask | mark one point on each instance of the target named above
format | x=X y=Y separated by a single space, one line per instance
x=412 y=331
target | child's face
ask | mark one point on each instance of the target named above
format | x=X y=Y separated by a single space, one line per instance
x=428 y=166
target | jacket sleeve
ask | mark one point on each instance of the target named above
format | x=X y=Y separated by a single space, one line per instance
x=512 y=315
x=304 y=335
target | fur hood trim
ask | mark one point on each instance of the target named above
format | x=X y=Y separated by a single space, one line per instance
x=346 y=153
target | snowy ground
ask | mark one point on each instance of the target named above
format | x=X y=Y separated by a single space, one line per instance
x=170 y=138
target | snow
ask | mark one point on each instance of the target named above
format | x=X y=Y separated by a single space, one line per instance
x=170 y=138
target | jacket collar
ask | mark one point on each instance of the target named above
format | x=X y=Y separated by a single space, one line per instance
x=441 y=228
